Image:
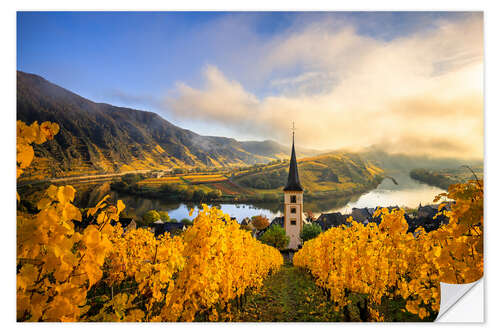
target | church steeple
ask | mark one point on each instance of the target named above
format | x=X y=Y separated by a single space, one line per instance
x=293 y=183
x=293 y=202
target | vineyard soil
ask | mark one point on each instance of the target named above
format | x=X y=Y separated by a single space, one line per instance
x=291 y=295
x=288 y=295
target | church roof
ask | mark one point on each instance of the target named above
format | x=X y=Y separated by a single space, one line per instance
x=293 y=183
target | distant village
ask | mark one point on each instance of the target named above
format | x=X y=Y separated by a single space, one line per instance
x=422 y=217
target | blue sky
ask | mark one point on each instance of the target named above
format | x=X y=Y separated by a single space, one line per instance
x=96 y=54
x=157 y=60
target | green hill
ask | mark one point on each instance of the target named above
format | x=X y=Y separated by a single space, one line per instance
x=322 y=175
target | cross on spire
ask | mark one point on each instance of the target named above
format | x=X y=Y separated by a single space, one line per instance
x=293 y=131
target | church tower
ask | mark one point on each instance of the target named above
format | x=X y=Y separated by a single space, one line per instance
x=293 y=209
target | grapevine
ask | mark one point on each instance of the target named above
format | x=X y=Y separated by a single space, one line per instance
x=384 y=261
x=61 y=272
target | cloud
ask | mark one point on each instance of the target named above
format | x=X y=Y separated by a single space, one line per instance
x=417 y=93
x=220 y=100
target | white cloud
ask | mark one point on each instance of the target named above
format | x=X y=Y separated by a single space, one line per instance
x=220 y=98
x=422 y=92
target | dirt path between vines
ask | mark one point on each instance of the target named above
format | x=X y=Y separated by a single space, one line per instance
x=288 y=295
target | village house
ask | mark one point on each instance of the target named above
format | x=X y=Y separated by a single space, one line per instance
x=361 y=215
x=426 y=217
x=159 y=227
x=127 y=223
x=331 y=220
x=426 y=211
x=245 y=221
x=279 y=220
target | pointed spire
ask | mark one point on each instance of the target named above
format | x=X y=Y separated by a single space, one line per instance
x=293 y=183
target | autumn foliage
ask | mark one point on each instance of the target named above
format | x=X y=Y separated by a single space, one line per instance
x=26 y=136
x=260 y=222
x=384 y=261
x=105 y=274
x=102 y=273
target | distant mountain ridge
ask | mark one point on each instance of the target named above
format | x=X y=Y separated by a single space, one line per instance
x=98 y=137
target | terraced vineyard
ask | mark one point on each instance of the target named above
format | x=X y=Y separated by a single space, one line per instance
x=200 y=179
x=157 y=182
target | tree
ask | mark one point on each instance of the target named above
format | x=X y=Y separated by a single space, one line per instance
x=131 y=178
x=310 y=231
x=119 y=186
x=261 y=183
x=188 y=194
x=164 y=216
x=269 y=197
x=275 y=236
x=310 y=216
x=186 y=221
x=214 y=194
x=150 y=217
x=260 y=222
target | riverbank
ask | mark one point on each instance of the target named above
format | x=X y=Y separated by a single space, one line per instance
x=407 y=193
x=443 y=178
x=229 y=192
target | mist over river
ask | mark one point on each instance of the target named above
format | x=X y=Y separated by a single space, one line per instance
x=408 y=193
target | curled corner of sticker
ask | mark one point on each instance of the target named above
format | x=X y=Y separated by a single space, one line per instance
x=452 y=296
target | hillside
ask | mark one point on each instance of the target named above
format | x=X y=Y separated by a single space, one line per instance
x=443 y=178
x=329 y=180
x=334 y=172
x=97 y=137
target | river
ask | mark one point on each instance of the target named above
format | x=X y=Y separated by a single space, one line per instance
x=408 y=193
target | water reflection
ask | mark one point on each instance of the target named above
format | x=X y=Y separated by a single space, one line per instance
x=408 y=192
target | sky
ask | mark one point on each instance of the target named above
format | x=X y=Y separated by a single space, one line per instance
x=409 y=82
